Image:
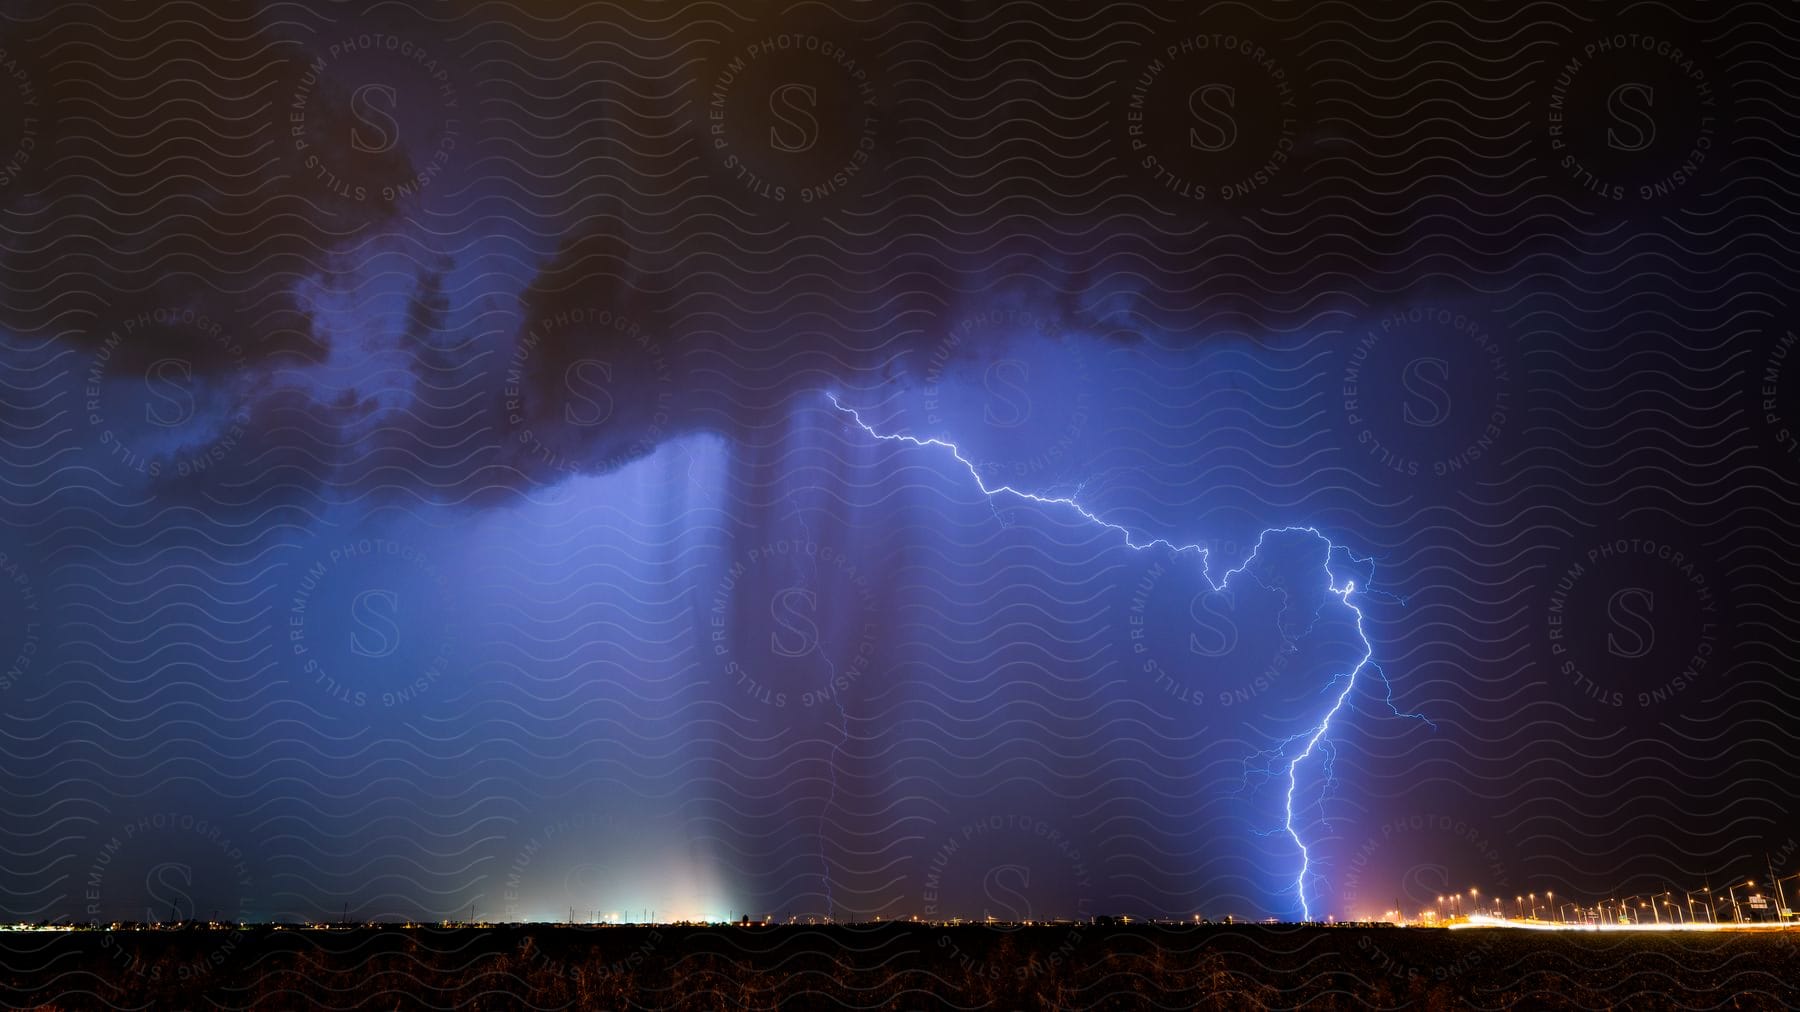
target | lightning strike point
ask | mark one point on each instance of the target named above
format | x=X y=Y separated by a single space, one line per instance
x=1313 y=736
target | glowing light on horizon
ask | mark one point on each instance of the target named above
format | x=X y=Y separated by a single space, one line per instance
x=1312 y=736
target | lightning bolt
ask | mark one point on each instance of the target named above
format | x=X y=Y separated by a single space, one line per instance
x=1314 y=737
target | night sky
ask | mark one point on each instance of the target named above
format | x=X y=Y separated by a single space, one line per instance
x=429 y=488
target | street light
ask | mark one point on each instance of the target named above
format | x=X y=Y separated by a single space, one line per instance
x=1550 y=901
x=1781 y=894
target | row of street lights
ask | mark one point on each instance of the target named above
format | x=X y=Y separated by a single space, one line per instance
x=1660 y=907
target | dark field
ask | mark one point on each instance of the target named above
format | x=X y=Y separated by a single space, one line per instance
x=893 y=966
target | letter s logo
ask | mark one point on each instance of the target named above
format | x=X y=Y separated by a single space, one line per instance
x=168 y=381
x=1221 y=133
x=1425 y=879
x=589 y=403
x=798 y=100
x=1212 y=614
x=376 y=613
x=1005 y=380
x=167 y=885
x=1635 y=116
x=1634 y=633
x=1005 y=886
x=374 y=106
x=792 y=610
x=1425 y=379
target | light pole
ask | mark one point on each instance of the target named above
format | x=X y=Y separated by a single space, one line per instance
x=1550 y=901
x=1781 y=894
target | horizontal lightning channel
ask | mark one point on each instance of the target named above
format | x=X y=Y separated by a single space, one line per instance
x=1312 y=736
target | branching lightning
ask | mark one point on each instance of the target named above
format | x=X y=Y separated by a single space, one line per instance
x=1314 y=737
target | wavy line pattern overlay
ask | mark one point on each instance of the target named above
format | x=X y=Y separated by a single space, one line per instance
x=845 y=462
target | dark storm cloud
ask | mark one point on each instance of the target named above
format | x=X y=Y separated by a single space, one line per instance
x=403 y=263
x=274 y=175
x=164 y=176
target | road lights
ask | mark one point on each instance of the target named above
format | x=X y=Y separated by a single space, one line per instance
x=1737 y=912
